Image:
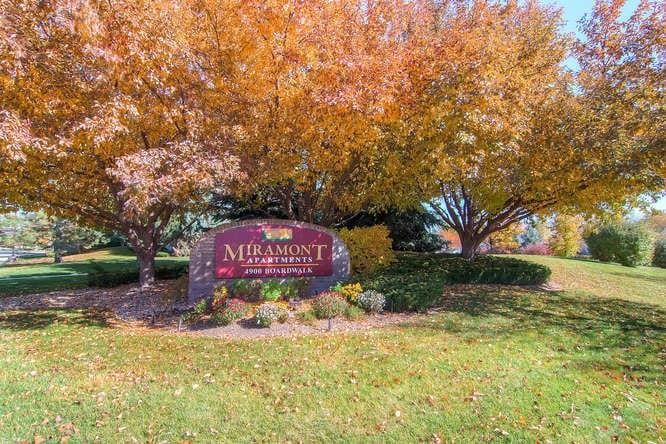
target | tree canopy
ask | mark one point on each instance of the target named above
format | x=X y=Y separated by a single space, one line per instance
x=125 y=114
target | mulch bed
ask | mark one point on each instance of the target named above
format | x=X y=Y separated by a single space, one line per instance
x=135 y=308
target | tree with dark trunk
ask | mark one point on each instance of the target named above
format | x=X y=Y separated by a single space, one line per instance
x=508 y=132
x=113 y=136
x=457 y=209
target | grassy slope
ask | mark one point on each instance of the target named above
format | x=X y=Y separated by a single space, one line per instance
x=586 y=277
x=33 y=278
x=496 y=364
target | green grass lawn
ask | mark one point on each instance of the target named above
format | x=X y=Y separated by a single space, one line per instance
x=71 y=274
x=587 y=364
x=591 y=278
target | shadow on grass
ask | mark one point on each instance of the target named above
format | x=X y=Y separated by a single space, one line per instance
x=602 y=326
x=537 y=309
x=40 y=319
x=640 y=276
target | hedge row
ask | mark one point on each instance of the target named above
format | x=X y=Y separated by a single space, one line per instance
x=108 y=279
x=416 y=281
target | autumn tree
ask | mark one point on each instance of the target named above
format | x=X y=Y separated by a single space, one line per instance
x=99 y=120
x=505 y=131
x=309 y=84
x=506 y=241
x=567 y=235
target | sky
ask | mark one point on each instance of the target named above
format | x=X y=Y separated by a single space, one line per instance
x=573 y=11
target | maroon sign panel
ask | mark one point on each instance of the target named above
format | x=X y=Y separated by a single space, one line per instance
x=259 y=251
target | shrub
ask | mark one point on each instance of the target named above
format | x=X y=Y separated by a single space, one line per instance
x=306 y=317
x=171 y=271
x=496 y=270
x=196 y=312
x=272 y=290
x=229 y=311
x=352 y=312
x=268 y=313
x=540 y=248
x=628 y=244
x=371 y=301
x=286 y=289
x=102 y=278
x=659 y=257
x=109 y=279
x=369 y=248
x=220 y=295
x=296 y=287
x=350 y=291
x=328 y=304
x=416 y=282
x=248 y=290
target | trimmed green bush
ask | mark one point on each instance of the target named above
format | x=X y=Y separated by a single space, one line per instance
x=659 y=256
x=627 y=244
x=495 y=270
x=109 y=279
x=417 y=280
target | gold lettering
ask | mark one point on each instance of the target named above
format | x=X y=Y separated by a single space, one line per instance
x=268 y=251
x=306 y=249
x=294 y=250
x=228 y=251
x=319 y=247
x=281 y=250
x=256 y=250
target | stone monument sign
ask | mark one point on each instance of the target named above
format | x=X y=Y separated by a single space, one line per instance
x=267 y=249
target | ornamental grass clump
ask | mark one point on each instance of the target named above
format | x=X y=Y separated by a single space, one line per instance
x=328 y=304
x=228 y=311
x=371 y=301
x=268 y=313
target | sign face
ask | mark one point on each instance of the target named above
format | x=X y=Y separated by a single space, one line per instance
x=273 y=250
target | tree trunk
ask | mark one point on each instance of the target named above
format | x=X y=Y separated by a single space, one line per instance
x=469 y=245
x=57 y=257
x=146 y=260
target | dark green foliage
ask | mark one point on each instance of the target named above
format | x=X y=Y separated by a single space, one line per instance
x=69 y=238
x=271 y=290
x=627 y=244
x=275 y=289
x=409 y=229
x=495 y=270
x=102 y=278
x=659 y=257
x=248 y=290
x=416 y=281
x=196 y=312
x=172 y=271
x=109 y=279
